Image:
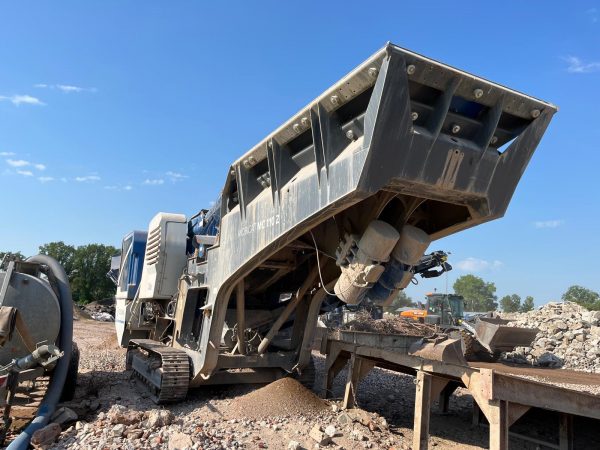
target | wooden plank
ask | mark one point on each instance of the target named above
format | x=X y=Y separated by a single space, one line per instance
x=544 y=396
x=422 y=411
x=438 y=384
x=351 y=382
x=566 y=432
x=444 y=397
x=515 y=412
x=476 y=420
x=498 y=419
x=336 y=366
x=359 y=368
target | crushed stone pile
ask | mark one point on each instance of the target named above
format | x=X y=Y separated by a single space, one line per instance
x=286 y=396
x=389 y=325
x=101 y=310
x=569 y=337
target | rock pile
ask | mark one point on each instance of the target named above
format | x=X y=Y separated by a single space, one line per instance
x=569 y=337
x=131 y=428
x=101 y=310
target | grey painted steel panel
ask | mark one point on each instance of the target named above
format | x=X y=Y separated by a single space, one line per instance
x=276 y=193
x=39 y=308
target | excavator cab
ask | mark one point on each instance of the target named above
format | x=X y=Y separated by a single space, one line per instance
x=446 y=310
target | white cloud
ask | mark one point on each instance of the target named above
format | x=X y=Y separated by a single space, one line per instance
x=64 y=179
x=23 y=163
x=478 y=265
x=548 y=223
x=176 y=176
x=118 y=188
x=25 y=173
x=18 y=100
x=45 y=179
x=153 y=182
x=66 y=88
x=7 y=153
x=576 y=65
x=87 y=178
x=17 y=162
x=69 y=88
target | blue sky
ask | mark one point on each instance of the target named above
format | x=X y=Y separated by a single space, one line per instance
x=112 y=111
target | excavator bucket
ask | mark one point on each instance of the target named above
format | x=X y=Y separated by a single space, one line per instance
x=439 y=348
x=496 y=336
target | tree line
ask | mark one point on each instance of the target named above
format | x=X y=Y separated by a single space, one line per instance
x=85 y=265
x=480 y=296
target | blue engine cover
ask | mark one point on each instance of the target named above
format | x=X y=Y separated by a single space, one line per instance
x=205 y=223
x=134 y=250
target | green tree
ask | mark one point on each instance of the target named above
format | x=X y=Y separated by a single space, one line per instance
x=63 y=253
x=583 y=296
x=401 y=300
x=90 y=265
x=9 y=256
x=528 y=304
x=510 y=303
x=478 y=294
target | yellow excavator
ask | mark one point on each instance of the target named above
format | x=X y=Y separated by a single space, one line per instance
x=440 y=309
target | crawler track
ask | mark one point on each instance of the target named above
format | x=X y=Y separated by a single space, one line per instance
x=164 y=370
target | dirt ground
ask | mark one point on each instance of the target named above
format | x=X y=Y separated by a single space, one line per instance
x=220 y=417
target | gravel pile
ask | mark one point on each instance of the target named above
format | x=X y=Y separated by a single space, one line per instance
x=284 y=396
x=569 y=337
x=389 y=325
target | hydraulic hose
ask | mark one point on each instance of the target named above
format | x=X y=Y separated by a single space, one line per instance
x=65 y=343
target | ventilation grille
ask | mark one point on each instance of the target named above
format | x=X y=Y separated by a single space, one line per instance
x=153 y=246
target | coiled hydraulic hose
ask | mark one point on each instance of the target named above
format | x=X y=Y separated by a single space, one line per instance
x=65 y=343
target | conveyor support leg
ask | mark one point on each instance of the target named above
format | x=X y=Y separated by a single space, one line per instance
x=422 y=411
x=498 y=418
x=359 y=367
x=566 y=432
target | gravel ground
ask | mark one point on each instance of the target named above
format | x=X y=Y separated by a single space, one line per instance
x=115 y=414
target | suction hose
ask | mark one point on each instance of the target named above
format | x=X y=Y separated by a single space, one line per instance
x=65 y=343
